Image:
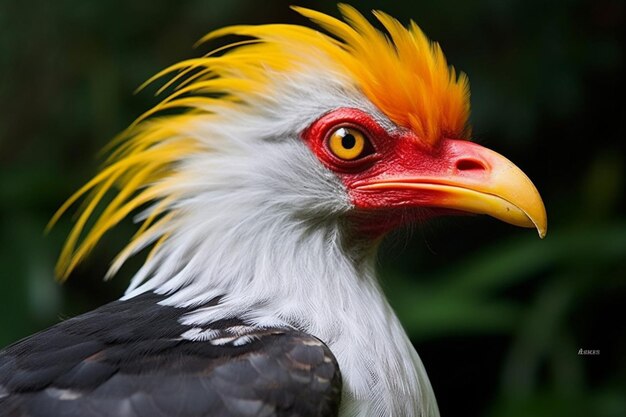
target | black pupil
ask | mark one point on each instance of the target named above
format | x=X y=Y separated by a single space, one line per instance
x=348 y=141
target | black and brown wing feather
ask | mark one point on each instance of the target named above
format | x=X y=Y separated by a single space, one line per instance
x=130 y=359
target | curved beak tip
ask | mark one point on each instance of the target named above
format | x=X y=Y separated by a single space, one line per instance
x=541 y=224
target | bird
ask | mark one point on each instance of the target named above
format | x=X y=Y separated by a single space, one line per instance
x=262 y=186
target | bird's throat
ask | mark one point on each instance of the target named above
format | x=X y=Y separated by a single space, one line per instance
x=315 y=278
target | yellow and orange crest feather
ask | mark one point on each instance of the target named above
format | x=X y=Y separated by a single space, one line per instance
x=404 y=74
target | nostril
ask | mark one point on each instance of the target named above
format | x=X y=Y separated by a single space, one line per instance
x=470 y=165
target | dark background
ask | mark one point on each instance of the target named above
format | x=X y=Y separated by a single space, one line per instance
x=497 y=314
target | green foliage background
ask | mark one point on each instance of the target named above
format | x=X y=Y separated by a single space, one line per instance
x=497 y=315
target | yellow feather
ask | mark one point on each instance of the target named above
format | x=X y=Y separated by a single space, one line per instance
x=401 y=72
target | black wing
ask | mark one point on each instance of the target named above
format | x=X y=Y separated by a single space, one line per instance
x=134 y=359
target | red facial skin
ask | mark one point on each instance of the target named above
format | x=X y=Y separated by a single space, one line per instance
x=398 y=154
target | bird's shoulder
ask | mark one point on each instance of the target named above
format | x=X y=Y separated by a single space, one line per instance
x=134 y=358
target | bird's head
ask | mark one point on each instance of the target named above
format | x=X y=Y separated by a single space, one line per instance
x=393 y=176
x=292 y=126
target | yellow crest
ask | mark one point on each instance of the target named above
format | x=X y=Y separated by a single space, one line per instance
x=404 y=74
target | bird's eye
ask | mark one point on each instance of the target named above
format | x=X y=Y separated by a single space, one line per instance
x=348 y=143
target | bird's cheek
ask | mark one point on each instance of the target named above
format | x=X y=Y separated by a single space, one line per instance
x=376 y=214
x=393 y=199
x=378 y=211
x=406 y=158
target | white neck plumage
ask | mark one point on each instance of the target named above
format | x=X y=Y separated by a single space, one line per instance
x=274 y=270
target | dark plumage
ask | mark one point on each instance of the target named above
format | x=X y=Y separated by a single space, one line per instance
x=128 y=359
